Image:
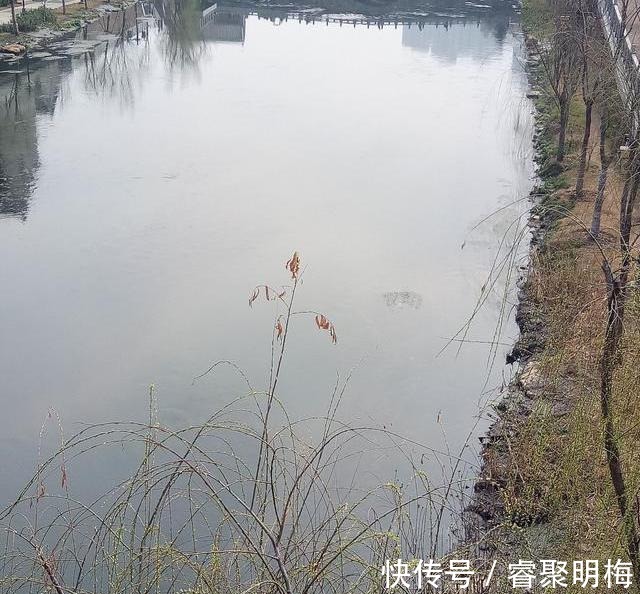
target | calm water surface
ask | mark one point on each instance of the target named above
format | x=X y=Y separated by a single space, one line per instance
x=146 y=187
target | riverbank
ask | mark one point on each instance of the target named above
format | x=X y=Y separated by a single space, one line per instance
x=544 y=491
x=77 y=14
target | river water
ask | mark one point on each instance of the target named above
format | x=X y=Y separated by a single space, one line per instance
x=148 y=183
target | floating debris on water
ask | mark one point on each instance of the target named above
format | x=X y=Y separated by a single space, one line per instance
x=403 y=299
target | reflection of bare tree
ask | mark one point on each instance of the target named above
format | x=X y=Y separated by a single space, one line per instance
x=24 y=95
x=117 y=68
x=115 y=71
x=182 y=42
x=17 y=165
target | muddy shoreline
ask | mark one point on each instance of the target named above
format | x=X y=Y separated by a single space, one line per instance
x=488 y=525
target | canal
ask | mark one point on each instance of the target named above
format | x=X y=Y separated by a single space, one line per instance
x=151 y=177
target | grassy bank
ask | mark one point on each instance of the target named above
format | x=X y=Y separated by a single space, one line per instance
x=557 y=500
x=53 y=19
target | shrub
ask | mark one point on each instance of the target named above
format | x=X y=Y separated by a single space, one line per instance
x=31 y=20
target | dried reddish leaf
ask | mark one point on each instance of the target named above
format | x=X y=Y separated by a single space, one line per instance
x=254 y=296
x=293 y=265
x=322 y=322
x=64 y=477
x=279 y=330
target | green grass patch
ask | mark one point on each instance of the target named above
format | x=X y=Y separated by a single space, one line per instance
x=537 y=18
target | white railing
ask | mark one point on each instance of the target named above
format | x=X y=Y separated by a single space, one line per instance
x=627 y=65
x=208 y=15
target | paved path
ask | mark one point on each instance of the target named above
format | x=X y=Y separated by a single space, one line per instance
x=5 y=13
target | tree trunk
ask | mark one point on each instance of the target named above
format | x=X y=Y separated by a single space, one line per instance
x=627 y=204
x=608 y=362
x=582 y=166
x=597 y=207
x=13 y=18
x=564 y=119
x=605 y=161
x=610 y=358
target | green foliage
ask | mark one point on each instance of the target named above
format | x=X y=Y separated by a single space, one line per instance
x=32 y=20
x=537 y=18
x=559 y=182
x=73 y=23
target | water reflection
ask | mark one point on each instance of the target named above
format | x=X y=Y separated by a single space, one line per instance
x=183 y=29
x=27 y=90
x=113 y=72
x=190 y=158
x=181 y=32
x=220 y=24
x=452 y=40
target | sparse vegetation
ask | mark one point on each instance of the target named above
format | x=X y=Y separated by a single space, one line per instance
x=570 y=489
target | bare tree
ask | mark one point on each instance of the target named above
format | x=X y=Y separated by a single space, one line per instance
x=590 y=81
x=618 y=93
x=617 y=295
x=609 y=125
x=14 y=21
x=617 y=79
x=560 y=60
x=610 y=359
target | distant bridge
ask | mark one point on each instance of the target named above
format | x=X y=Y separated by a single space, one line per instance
x=228 y=16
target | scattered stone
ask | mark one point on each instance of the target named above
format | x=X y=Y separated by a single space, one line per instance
x=39 y=55
x=42 y=34
x=107 y=37
x=15 y=49
x=533 y=94
x=76 y=51
x=531 y=379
